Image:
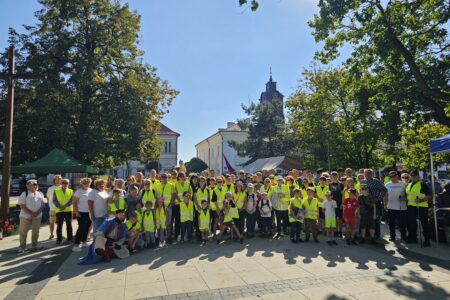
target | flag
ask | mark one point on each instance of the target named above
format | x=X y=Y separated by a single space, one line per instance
x=230 y=169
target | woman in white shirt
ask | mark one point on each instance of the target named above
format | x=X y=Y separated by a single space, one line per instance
x=31 y=205
x=98 y=204
x=81 y=211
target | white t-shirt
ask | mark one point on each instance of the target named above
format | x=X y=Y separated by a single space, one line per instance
x=32 y=201
x=330 y=208
x=83 y=196
x=395 y=190
x=50 y=194
x=100 y=203
x=267 y=204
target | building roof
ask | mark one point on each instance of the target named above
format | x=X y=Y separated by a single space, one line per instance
x=231 y=127
x=271 y=163
x=164 y=130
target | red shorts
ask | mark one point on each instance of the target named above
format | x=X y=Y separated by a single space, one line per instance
x=350 y=221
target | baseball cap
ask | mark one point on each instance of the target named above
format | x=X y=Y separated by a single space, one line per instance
x=249 y=185
x=280 y=177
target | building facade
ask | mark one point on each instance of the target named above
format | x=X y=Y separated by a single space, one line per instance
x=215 y=150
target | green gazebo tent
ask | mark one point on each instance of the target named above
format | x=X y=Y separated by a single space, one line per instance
x=56 y=161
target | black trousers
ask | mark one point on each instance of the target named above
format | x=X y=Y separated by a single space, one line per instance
x=422 y=214
x=60 y=218
x=84 y=223
x=296 y=229
x=250 y=222
x=399 y=217
x=282 y=219
x=176 y=220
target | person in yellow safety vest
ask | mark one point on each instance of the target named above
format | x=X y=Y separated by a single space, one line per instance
x=181 y=186
x=62 y=200
x=229 y=186
x=321 y=189
x=161 y=213
x=168 y=192
x=148 y=193
x=217 y=198
x=311 y=207
x=228 y=219
x=296 y=216
x=304 y=187
x=417 y=197
x=116 y=202
x=139 y=212
x=204 y=220
x=280 y=201
x=200 y=194
x=186 y=216
x=291 y=184
x=239 y=197
x=149 y=224
x=155 y=183
x=134 y=229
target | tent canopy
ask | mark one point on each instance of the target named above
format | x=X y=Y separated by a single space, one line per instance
x=440 y=145
x=270 y=163
x=56 y=161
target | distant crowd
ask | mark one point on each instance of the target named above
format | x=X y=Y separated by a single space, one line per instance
x=137 y=213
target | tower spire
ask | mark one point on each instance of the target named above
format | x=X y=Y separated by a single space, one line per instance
x=270 y=74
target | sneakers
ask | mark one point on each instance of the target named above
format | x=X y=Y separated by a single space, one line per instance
x=36 y=248
x=160 y=245
x=179 y=238
x=334 y=242
x=77 y=248
x=83 y=245
x=21 y=250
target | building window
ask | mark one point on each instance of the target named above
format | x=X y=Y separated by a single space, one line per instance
x=170 y=147
x=165 y=147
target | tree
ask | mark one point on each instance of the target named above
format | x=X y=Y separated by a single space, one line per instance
x=408 y=38
x=267 y=131
x=100 y=101
x=195 y=165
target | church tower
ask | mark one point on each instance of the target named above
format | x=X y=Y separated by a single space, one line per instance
x=272 y=94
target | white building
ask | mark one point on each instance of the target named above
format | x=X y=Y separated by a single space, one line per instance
x=167 y=159
x=215 y=150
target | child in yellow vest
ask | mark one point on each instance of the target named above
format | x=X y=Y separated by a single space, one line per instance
x=186 y=216
x=134 y=230
x=228 y=219
x=148 y=222
x=161 y=221
x=139 y=212
x=204 y=220
x=296 y=216
x=311 y=207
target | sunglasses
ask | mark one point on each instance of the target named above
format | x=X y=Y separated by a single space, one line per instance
x=64 y=183
x=146 y=183
x=393 y=176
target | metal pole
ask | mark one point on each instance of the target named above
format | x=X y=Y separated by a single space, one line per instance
x=434 y=198
x=6 y=177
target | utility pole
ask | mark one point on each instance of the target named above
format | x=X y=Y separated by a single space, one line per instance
x=10 y=78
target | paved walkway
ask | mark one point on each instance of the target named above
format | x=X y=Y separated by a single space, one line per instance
x=258 y=269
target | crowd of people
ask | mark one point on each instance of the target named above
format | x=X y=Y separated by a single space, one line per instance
x=174 y=207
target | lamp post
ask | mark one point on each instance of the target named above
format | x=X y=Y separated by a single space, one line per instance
x=10 y=78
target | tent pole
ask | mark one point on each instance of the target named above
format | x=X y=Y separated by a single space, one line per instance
x=434 y=198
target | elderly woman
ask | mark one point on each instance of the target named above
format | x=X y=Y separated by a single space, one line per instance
x=81 y=211
x=31 y=205
x=98 y=204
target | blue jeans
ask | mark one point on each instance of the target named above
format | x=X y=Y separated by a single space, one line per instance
x=186 y=227
x=97 y=222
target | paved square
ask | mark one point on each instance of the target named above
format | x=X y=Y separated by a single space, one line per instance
x=258 y=269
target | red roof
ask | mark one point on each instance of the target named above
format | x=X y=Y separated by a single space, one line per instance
x=164 y=130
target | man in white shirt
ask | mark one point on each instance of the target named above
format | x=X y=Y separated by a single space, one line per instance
x=50 y=193
x=31 y=205
x=395 y=204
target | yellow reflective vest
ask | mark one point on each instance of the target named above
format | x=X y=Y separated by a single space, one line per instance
x=148 y=195
x=414 y=195
x=64 y=199
x=204 y=219
x=296 y=204
x=116 y=205
x=311 y=209
x=321 y=191
x=186 y=211
x=148 y=220
x=202 y=194
x=160 y=216
x=133 y=227
x=181 y=188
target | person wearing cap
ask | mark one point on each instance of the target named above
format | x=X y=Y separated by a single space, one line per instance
x=241 y=176
x=280 y=201
x=329 y=208
x=50 y=193
x=81 y=212
x=250 y=205
x=229 y=186
x=31 y=205
x=395 y=205
x=367 y=212
x=265 y=211
x=62 y=199
x=168 y=193
x=240 y=196
x=228 y=219
x=296 y=216
x=417 y=196
x=181 y=186
x=109 y=241
x=310 y=205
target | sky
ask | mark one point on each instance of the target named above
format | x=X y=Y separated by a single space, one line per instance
x=215 y=53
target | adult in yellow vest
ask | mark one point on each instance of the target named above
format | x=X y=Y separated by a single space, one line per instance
x=186 y=216
x=417 y=197
x=217 y=198
x=167 y=192
x=311 y=207
x=239 y=197
x=116 y=202
x=50 y=194
x=149 y=224
x=200 y=195
x=62 y=199
x=280 y=201
x=148 y=193
x=296 y=216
